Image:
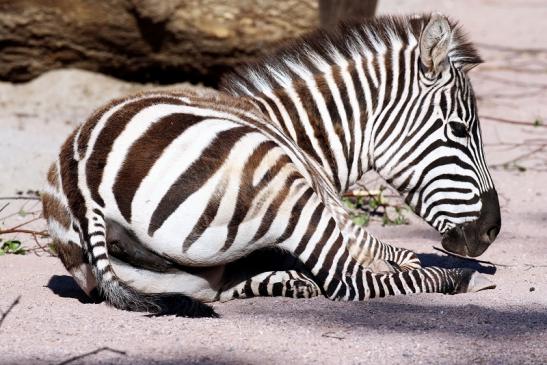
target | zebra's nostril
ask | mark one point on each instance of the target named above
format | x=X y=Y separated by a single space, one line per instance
x=493 y=233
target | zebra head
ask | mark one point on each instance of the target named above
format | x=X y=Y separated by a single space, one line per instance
x=440 y=165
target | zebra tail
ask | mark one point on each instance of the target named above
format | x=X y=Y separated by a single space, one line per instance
x=123 y=296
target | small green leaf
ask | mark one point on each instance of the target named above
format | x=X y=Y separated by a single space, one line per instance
x=13 y=247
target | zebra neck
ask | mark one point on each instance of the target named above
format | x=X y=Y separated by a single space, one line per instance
x=330 y=115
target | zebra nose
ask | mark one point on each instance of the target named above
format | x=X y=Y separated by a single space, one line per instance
x=490 y=219
x=492 y=233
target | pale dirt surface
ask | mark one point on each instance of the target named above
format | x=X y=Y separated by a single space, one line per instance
x=507 y=325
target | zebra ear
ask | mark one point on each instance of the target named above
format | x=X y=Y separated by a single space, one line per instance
x=435 y=44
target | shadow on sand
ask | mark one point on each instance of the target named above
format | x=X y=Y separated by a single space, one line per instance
x=449 y=262
x=66 y=287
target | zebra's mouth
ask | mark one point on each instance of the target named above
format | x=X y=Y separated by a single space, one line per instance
x=462 y=240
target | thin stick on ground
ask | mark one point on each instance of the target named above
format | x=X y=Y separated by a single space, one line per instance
x=468 y=258
x=5 y=314
x=4 y=207
x=19 y=198
x=75 y=358
x=515 y=122
x=27 y=231
x=520 y=157
x=484 y=261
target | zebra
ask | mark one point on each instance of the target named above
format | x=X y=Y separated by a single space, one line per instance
x=163 y=201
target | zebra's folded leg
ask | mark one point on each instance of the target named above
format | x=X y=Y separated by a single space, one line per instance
x=290 y=283
x=65 y=238
x=371 y=252
x=426 y=280
x=347 y=280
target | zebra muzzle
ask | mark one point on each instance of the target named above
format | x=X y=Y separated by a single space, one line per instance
x=473 y=238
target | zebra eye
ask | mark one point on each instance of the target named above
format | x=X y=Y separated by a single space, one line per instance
x=458 y=129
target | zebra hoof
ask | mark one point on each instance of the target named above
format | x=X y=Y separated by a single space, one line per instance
x=479 y=282
x=472 y=281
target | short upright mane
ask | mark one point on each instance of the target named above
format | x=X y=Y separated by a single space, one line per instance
x=348 y=40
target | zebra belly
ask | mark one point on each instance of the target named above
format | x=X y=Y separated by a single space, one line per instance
x=203 y=285
x=210 y=198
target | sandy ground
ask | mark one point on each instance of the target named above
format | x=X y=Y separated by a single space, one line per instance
x=508 y=325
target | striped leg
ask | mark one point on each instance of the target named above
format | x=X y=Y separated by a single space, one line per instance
x=66 y=240
x=349 y=281
x=327 y=256
x=372 y=253
x=290 y=283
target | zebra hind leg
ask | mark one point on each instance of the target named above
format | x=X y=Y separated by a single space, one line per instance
x=289 y=283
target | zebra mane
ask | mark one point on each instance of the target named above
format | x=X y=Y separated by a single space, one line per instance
x=312 y=53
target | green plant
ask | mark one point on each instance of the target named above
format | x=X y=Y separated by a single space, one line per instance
x=12 y=247
x=366 y=205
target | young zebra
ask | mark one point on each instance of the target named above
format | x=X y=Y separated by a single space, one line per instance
x=163 y=200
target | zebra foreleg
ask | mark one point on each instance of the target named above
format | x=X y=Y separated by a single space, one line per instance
x=290 y=283
x=379 y=256
x=349 y=281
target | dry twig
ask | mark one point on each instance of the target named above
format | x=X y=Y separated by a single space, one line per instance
x=5 y=314
x=19 y=198
x=75 y=358
x=467 y=258
x=484 y=261
x=515 y=122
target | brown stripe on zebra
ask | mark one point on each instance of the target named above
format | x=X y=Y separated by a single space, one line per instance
x=245 y=197
x=381 y=132
x=69 y=180
x=376 y=68
x=207 y=216
x=332 y=108
x=269 y=216
x=70 y=253
x=319 y=132
x=209 y=161
x=52 y=176
x=89 y=126
x=143 y=154
x=108 y=135
x=52 y=207
x=295 y=215
x=275 y=109
x=301 y=138
x=312 y=227
x=344 y=95
x=361 y=101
